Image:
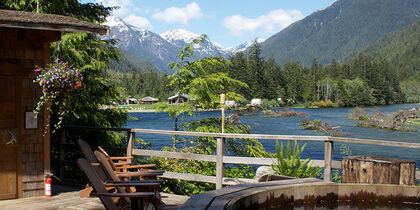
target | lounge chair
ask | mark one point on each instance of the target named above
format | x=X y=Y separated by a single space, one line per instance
x=90 y=156
x=119 y=176
x=149 y=176
x=120 y=164
x=136 y=198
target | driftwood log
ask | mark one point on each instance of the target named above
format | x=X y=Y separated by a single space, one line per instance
x=378 y=170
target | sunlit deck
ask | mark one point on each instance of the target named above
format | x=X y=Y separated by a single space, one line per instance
x=71 y=200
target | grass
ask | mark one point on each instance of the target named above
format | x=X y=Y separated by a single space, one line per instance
x=297 y=106
x=138 y=106
x=413 y=122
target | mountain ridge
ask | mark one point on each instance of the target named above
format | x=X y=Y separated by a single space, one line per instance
x=161 y=49
x=340 y=29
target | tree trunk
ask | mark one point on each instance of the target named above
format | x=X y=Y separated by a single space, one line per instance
x=377 y=170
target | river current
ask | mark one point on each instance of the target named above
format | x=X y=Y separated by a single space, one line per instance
x=261 y=124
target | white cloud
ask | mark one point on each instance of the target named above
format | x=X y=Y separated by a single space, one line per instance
x=273 y=21
x=125 y=6
x=181 y=15
x=138 y=21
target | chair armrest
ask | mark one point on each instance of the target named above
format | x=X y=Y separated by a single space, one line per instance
x=122 y=164
x=137 y=181
x=137 y=166
x=133 y=194
x=132 y=184
x=138 y=174
x=121 y=158
x=141 y=172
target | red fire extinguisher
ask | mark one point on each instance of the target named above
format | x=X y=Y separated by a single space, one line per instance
x=48 y=192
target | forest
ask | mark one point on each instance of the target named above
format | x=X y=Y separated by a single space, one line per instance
x=361 y=81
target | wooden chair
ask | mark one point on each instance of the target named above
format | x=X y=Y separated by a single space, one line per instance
x=120 y=176
x=121 y=164
x=149 y=176
x=136 y=198
x=88 y=154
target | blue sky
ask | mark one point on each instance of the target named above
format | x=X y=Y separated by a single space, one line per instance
x=227 y=22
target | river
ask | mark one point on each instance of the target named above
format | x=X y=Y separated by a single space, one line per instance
x=261 y=124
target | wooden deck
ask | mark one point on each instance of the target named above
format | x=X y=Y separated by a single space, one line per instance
x=71 y=200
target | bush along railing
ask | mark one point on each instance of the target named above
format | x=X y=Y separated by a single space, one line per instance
x=221 y=159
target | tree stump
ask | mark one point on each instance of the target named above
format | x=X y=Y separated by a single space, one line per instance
x=378 y=170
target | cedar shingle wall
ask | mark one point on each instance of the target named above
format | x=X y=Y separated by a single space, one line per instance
x=25 y=48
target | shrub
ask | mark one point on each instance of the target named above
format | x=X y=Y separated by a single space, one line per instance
x=289 y=163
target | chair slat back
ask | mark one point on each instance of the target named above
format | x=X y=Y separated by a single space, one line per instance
x=103 y=151
x=96 y=182
x=106 y=165
x=88 y=153
x=107 y=157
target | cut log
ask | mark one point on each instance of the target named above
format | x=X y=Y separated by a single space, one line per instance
x=378 y=170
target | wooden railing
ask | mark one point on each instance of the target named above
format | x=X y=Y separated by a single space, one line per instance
x=221 y=158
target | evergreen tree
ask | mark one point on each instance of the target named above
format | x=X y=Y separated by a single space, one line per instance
x=256 y=71
x=90 y=55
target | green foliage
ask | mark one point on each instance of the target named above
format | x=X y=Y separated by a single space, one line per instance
x=140 y=83
x=289 y=163
x=238 y=147
x=91 y=12
x=181 y=187
x=400 y=49
x=269 y=104
x=263 y=77
x=202 y=80
x=207 y=145
x=344 y=150
x=337 y=31
x=130 y=62
x=57 y=80
x=90 y=55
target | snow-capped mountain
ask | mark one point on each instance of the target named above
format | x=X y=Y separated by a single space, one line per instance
x=246 y=45
x=142 y=43
x=180 y=38
x=179 y=35
x=162 y=49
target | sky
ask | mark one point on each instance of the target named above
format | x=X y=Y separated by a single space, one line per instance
x=227 y=22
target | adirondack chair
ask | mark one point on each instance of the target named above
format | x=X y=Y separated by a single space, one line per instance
x=136 y=198
x=120 y=176
x=119 y=164
x=88 y=154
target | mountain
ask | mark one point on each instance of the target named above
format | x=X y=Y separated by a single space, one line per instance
x=246 y=45
x=400 y=48
x=180 y=38
x=340 y=29
x=162 y=49
x=128 y=62
x=142 y=43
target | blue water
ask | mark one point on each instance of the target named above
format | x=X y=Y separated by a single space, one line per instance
x=261 y=124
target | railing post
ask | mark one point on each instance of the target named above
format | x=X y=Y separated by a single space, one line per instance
x=130 y=144
x=328 y=154
x=220 y=167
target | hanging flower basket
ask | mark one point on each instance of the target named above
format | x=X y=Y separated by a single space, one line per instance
x=57 y=80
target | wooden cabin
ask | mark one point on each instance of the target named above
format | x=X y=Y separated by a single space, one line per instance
x=178 y=99
x=25 y=39
x=148 y=100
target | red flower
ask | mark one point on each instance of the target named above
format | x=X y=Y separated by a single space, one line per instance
x=79 y=85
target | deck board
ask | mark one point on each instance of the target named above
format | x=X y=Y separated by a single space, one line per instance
x=71 y=200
